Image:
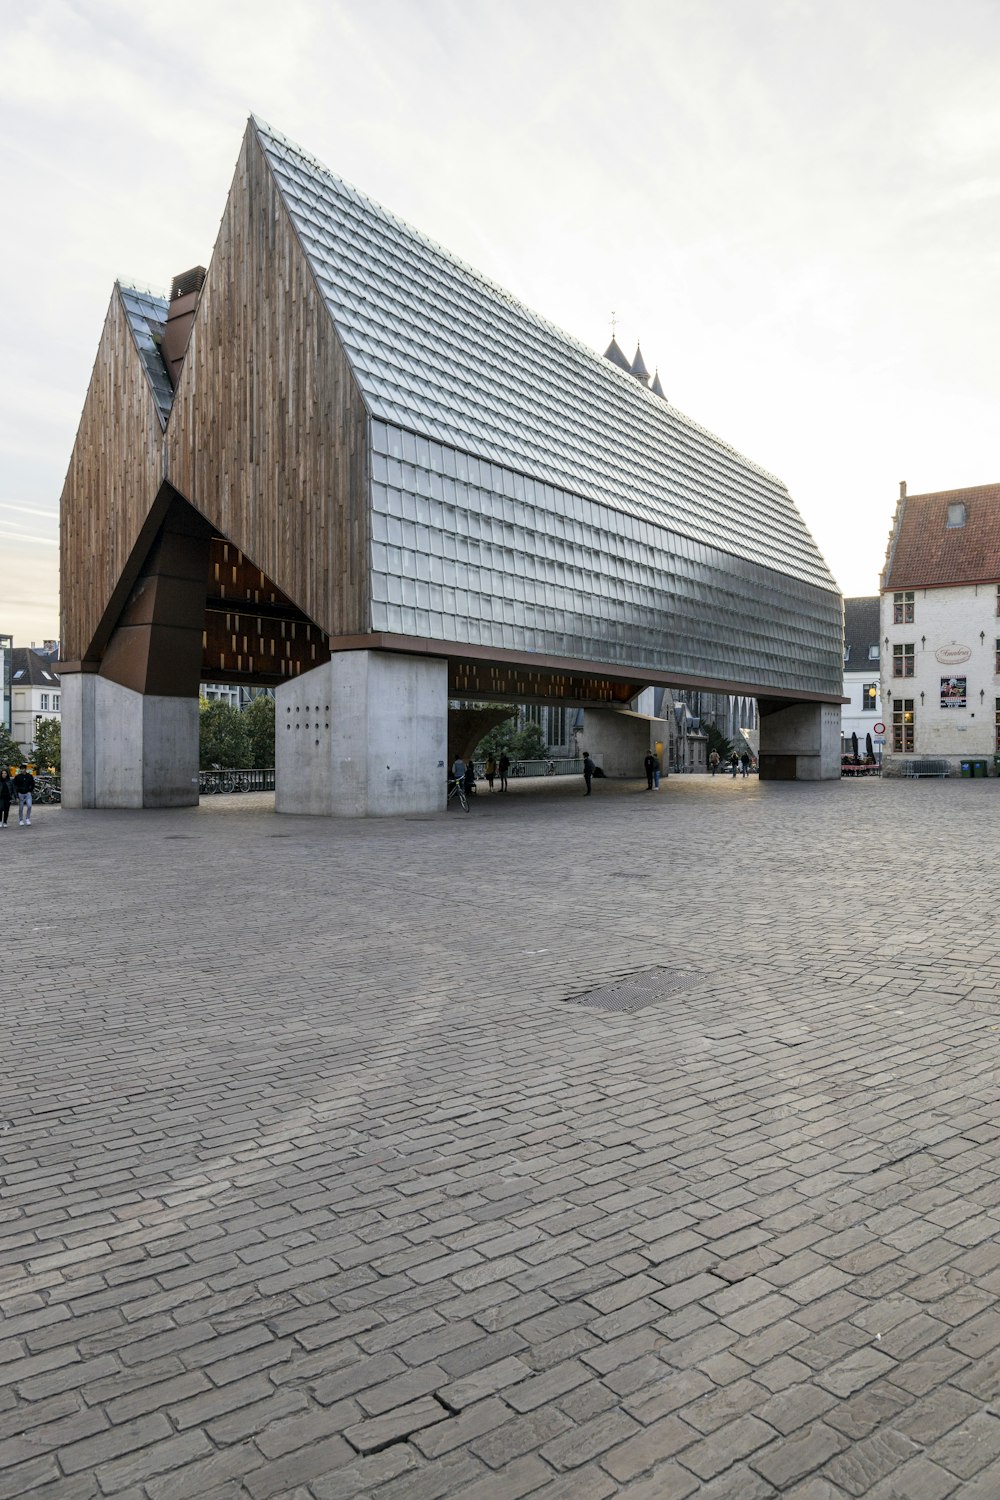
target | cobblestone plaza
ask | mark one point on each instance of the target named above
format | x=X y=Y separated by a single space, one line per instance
x=319 y=1182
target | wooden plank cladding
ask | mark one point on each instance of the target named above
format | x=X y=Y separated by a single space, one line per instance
x=253 y=632
x=522 y=684
x=268 y=432
x=112 y=482
x=254 y=648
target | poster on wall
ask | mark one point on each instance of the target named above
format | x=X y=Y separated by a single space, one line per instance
x=953 y=692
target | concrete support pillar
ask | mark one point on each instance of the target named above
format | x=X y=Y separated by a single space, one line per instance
x=121 y=748
x=364 y=735
x=799 y=742
x=619 y=741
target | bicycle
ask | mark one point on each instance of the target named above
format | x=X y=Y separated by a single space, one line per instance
x=457 y=789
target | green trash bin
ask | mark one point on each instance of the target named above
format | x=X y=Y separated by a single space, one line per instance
x=996 y=765
x=979 y=768
x=967 y=768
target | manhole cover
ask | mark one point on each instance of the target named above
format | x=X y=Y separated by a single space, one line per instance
x=635 y=991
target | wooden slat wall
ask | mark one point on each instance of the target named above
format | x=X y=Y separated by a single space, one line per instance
x=268 y=433
x=113 y=478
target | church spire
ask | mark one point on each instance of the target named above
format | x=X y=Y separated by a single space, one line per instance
x=638 y=367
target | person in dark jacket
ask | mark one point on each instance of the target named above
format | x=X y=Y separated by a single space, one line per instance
x=649 y=765
x=503 y=767
x=24 y=785
x=6 y=794
x=588 y=771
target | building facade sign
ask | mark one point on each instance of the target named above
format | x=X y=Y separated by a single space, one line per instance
x=953 y=692
x=953 y=656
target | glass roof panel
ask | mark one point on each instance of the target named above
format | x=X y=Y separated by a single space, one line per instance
x=454 y=357
x=147 y=313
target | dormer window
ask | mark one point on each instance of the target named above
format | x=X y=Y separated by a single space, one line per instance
x=873 y=653
x=956 y=515
x=847 y=651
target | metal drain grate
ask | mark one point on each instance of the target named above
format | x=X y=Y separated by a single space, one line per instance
x=635 y=991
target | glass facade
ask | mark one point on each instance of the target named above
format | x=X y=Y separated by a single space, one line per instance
x=146 y=315
x=465 y=550
x=440 y=351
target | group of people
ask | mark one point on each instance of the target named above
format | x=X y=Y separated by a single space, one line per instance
x=465 y=772
x=737 y=763
x=21 y=786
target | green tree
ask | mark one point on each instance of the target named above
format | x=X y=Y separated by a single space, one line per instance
x=500 y=737
x=223 y=737
x=717 y=741
x=258 y=716
x=525 y=743
x=10 y=750
x=48 y=745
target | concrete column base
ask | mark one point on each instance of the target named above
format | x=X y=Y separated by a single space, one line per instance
x=800 y=742
x=365 y=735
x=121 y=748
x=619 y=740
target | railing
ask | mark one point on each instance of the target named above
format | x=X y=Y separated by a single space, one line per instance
x=220 y=782
x=551 y=766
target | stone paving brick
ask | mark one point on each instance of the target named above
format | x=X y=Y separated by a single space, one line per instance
x=648 y=1448
x=391 y=1427
x=792 y=1458
x=969 y=1447
x=589 y=1440
x=438 y=1164
x=726 y=1446
x=917 y=1480
x=519 y=1436
x=859 y=1467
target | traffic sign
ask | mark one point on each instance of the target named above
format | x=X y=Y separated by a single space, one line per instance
x=880 y=729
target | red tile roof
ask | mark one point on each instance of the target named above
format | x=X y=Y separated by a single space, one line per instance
x=924 y=552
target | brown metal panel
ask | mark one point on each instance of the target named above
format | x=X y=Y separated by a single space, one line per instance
x=268 y=433
x=112 y=482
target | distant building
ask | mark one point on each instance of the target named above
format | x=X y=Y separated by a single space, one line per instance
x=6 y=650
x=862 y=685
x=35 y=694
x=940 y=629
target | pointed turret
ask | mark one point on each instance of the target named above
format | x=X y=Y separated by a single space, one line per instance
x=657 y=388
x=638 y=367
x=614 y=353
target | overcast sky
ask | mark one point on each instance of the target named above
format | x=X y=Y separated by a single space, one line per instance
x=794 y=204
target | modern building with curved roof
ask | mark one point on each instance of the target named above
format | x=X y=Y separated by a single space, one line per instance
x=345 y=463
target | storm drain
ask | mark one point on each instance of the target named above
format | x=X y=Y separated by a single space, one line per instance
x=635 y=991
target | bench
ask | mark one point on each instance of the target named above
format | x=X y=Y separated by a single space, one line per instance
x=915 y=768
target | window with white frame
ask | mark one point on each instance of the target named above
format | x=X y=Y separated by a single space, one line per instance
x=902 y=607
x=869 y=697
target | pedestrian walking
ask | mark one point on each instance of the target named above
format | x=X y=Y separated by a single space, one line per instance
x=24 y=785
x=734 y=764
x=6 y=795
x=490 y=771
x=588 y=771
x=648 y=766
x=503 y=768
x=745 y=764
x=714 y=761
x=656 y=772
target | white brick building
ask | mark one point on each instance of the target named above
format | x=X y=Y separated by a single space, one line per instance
x=862 y=653
x=940 y=628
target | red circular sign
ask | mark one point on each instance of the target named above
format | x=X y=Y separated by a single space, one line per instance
x=880 y=729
